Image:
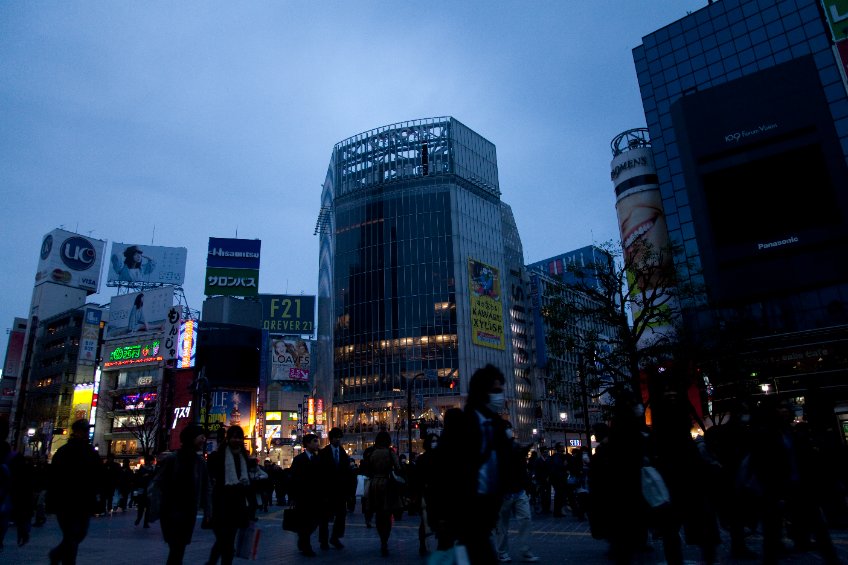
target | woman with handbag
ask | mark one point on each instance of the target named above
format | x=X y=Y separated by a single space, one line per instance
x=231 y=495
x=383 y=490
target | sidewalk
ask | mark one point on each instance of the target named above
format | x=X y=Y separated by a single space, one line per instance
x=115 y=540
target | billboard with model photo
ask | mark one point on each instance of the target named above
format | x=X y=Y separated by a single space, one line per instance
x=139 y=313
x=146 y=263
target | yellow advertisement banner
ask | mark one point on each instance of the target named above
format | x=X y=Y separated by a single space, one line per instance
x=81 y=402
x=487 y=325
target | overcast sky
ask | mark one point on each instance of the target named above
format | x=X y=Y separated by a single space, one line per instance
x=186 y=120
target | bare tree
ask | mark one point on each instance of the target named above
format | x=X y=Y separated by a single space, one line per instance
x=619 y=313
x=138 y=414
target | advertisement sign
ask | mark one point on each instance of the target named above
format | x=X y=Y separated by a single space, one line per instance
x=142 y=353
x=180 y=416
x=140 y=313
x=230 y=408
x=232 y=282
x=837 y=17
x=89 y=337
x=290 y=359
x=187 y=348
x=81 y=402
x=487 y=325
x=230 y=253
x=232 y=267
x=70 y=259
x=288 y=314
x=147 y=264
x=642 y=226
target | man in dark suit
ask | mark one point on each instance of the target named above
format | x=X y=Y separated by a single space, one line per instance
x=306 y=490
x=337 y=480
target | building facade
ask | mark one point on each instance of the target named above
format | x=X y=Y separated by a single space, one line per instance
x=417 y=258
x=747 y=111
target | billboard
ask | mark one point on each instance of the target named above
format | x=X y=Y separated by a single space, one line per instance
x=765 y=175
x=147 y=264
x=139 y=313
x=70 y=259
x=229 y=408
x=487 y=324
x=232 y=267
x=288 y=314
x=290 y=359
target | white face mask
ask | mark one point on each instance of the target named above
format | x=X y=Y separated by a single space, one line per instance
x=496 y=403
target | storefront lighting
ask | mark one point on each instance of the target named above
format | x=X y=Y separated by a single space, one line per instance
x=765 y=387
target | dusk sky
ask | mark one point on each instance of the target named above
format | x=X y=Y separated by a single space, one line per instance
x=170 y=122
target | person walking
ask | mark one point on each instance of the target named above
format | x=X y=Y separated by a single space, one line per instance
x=183 y=484
x=383 y=498
x=231 y=494
x=558 y=466
x=338 y=480
x=471 y=464
x=516 y=503
x=75 y=478
x=305 y=487
x=142 y=481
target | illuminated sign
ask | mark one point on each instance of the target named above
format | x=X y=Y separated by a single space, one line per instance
x=273 y=416
x=319 y=411
x=310 y=418
x=81 y=402
x=188 y=344
x=134 y=355
x=138 y=401
x=181 y=412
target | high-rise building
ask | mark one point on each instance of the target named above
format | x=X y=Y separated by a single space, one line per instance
x=748 y=118
x=420 y=280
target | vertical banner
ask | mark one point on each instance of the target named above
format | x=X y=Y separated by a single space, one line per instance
x=487 y=325
x=172 y=334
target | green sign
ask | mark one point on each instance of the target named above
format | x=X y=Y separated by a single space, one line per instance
x=837 y=17
x=232 y=282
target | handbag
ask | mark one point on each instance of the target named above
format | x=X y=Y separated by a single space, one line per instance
x=291 y=520
x=397 y=478
x=654 y=490
x=247 y=542
x=456 y=555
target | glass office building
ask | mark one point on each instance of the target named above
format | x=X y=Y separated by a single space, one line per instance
x=417 y=253
x=748 y=118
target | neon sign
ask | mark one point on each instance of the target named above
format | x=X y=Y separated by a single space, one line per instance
x=134 y=354
x=188 y=344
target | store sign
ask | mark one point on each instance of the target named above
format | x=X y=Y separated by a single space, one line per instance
x=284 y=314
x=136 y=354
x=232 y=267
x=273 y=416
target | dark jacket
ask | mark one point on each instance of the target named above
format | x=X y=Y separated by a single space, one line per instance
x=75 y=477
x=339 y=480
x=232 y=505
x=183 y=483
x=306 y=484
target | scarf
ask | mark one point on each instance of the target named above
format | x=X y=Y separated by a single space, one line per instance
x=231 y=476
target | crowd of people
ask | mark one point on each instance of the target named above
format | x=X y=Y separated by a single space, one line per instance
x=474 y=483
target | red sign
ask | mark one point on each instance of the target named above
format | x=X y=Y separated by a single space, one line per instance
x=842 y=47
